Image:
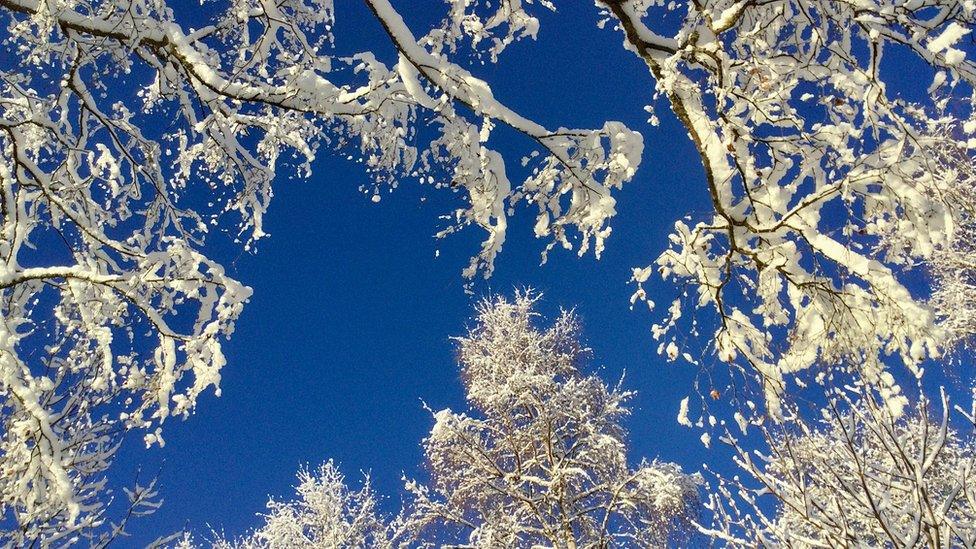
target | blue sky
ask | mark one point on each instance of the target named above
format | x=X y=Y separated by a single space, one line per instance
x=348 y=330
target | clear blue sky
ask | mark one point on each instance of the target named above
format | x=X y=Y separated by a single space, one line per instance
x=349 y=326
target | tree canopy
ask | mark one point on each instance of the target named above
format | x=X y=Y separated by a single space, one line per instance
x=833 y=184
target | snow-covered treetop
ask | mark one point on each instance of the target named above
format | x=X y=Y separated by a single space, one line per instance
x=541 y=459
x=326 y=514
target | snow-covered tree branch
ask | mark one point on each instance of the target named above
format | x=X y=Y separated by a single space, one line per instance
x=858 y=477
x=823 y=182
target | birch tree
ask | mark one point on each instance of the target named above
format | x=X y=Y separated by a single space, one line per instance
x=540 y=460
x=326 y=514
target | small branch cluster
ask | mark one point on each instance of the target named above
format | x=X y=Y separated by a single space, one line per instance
x=858 y=477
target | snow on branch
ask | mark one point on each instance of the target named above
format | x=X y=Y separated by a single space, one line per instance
x=825 y=187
